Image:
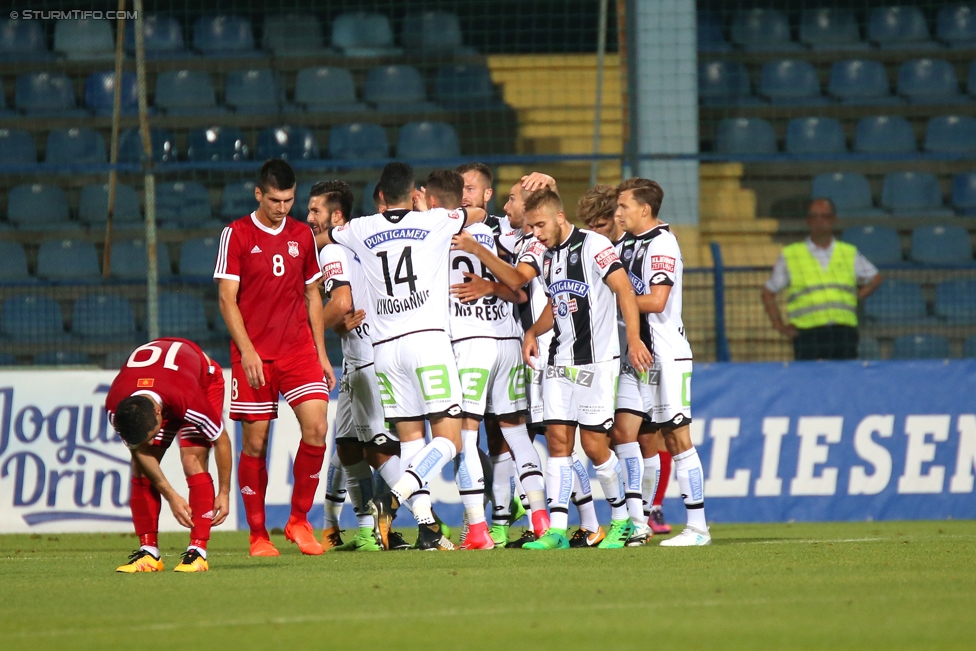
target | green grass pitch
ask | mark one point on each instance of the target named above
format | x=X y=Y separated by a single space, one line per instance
x=902 y=585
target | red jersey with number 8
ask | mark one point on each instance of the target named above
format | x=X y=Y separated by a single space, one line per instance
x=273 y=267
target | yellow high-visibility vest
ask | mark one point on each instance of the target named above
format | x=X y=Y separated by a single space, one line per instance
x=818 y=296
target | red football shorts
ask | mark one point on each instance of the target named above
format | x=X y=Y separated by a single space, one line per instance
x=298 y=378
x=190 y=436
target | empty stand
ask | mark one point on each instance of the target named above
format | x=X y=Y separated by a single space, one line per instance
x=362 y=141
x=956 y=26
x=913 y=194
x=237 y=200
x=902 y=28
x=464 y=87
x=22 y=40
x=103 y=317
x=363 y=34
x=287 y=143
x=955 y=300
x=427 y=140
x=253 y=91
x=868 y=348
x=77 y=146
x=182 y=315
x=224 y=36
x=815 y=136
x=163 y=146
x=790 y=81
x=884 y=134
x=710 y=36
x=13 y=263
x=36 y=206
x=293 y=35
x=217 y=144
x=183 y=204
x=84 y=38
x=941 y=245
x=162 y=38
x=46 y=93
x=745 y=136
x=31 y=317
x=129 y=261
x=762 y=29
x=964 y=193
x=724 y=83
x=186 y=92
x=93 y=206
x=951 y=134
x=396 y=88
x=62 y=358
x=896 y=301
x=830 y=29
x=879 y=244
x=68 y=261
x=325 y=89
x=432 y=33
x=198 y=257
x=861 y=81
x=969 y=347
x=100 y=93
x=17 y=147
x=920 y=347
x=929 y=81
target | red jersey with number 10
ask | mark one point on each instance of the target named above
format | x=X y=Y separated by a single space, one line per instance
x=273 y=267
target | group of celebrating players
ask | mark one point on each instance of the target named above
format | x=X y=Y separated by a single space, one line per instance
x=449 y=316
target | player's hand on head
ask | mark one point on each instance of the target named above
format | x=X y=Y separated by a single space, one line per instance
x=253 y=369
x=419 y=200
x=221 y=508
x=473 y=288
x=640 y=357
x=181 y=511
x=537 y=181
x=464 y=241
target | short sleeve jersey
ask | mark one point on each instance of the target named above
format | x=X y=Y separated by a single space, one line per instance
x=175 y=373
x=404 y=255
x=583 y=305
x=273 y=268
x=506 y=237
x=341 y=267
x=531 y=252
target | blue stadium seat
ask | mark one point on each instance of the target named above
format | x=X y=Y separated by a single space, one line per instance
x=941 y=245
x=367 y=204
x=956 y=26
x=724 y=83
x=293 y=35
x=969 y=347
x=899 y=28
x=861 y=81
x=955 y=300
x=913 y=194
x=831 y=29
x=253 y=91
x=13 y=263
x=894 y=301
x=76 y=146
x=129 y=260
x=964 y=193
x=433 y=32
x=920 y=347
x=220 y=355
x=100 y=93
x=217 y=144
x=288 y=143
x=929 y=81
x=745 y=136
x=84 y=38
x=6 y=359
x=186 y=92
x=299 y=209
x=464 y=87
x=103 y=317
x=36 y=206
x=46 y=93
x=363 y=34
x=93 y=207
x=426 y=140
x=790 y=81
x=710 y=36
x=884 y=134
x=68 y=261
x=815 y=136
x=879 y=244
x=32 y=318
x=183 y=204
x=198 y=257
x=17 y=147
x=951 y=134
x=163 y=146
x=224 y=36
x=182 y=315
x=325 y=89
x=762 y=30
x=62 y=358
x=22 y=40
x=237 y=200
x=162 y=38
x=360 y=141
x=397 y=88
x=868 y=349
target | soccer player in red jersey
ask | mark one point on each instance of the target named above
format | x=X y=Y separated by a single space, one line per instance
x=268 y=275
x=169 y=387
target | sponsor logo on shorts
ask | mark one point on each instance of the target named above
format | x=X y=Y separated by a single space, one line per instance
x=293 y=249
x=380 y=439
x=607 y=425
x=373 y=241
x=454 y=410
x=662 y=263
x=606 y=257
x=473 y=383
x=516 y=383
x=434 y=382
x=386 y=389
x=580 y=376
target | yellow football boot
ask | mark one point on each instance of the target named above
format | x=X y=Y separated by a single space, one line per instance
x=141 y=561
x=192 y=562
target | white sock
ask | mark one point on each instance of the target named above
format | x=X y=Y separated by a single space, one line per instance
x=632 y=465
x=470 y=477
x=152 y=550
x=335 y=492
x=408 y=451
x=359 y=486
x=528 y=465
x=652 y=475
x=609 y=474
x=583 y=495
x=432 y=459
x=691 y=481
x=502 y=488
x=419 y=504
x=559 y=482
x=200 y=550
x=390 y=472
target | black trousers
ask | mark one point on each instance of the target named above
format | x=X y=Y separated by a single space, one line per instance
x=826 y=342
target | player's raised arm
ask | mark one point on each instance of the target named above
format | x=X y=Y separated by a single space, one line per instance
x=619 y=283
x=537 y=181
x=222 y=457
x=514 y=277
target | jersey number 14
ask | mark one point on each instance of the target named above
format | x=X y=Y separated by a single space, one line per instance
x=404 y=271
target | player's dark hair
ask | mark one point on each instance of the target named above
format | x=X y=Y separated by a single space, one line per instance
x=599 y=202
x=447 y=186
x=376 y=195
x=135 y=418
x=396 y=182
x=338 y=196
x=544 y=198
x=646 y=192
x=481 y=168
x=277 y=174
x=830 y=202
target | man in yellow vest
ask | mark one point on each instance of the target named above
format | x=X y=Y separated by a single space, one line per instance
x=824 y=278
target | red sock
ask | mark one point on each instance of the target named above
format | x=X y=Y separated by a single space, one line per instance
x=145 y=504
x=202 y=505
x=308 y=465
x=662 y=485
x=252 y=476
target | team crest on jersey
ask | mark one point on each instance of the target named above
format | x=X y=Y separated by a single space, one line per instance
x=293 y=249
x=662 y=263
x=628 y=254
x=574 y=258
x=606 y=257
x=454 y=214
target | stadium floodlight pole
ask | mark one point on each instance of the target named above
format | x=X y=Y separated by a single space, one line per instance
x=152 y=277
x=601 y=52
x=113 y=175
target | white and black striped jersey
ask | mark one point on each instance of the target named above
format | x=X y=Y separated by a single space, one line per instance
x=506 y=237
x=341 y=267
x=625 y=251
x=489 y=316
x=584 y=307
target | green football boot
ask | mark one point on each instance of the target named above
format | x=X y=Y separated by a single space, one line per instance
x=620 y=532
x=553 y=539
x=518 y=511
x=363 y=541
x=499 y=534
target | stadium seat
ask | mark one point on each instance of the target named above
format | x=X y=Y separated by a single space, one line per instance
x=13 y=263
x=427 y=140
x=162 y=38
x=36 y=206
x=913 y=194
x=879 y=244
x=831 y=29
x=360 y=141
x=745 y=136
x=237 y=200
x=724 y=83
x=462 y=87
x=32 y=318
x=62 y=358
x=253 y=91
x=850 y=193
x=299 y=209
x=762 y=30
x=433 y=32
x=17 y=147
x=326 y=89
x=920 y=347
x=68 y=261
x=929 y=81
x=942 y=245
x=868 y=349
x=969 y=347
x=396 y=88
x=84 y=38
x=100 y=93
x=183 y=204
x=46 y=93
x=224 y=36
x=82 y=146
x=186 y=92
x=129 y=260
x=217 y=144
x=956 y=26
x=287 y=143
x=182 y=315
x=790 y=81
x=93 y=207
x=951 y=134
x=955 y=300
x=861 y=81
x=22 y=40
x=103 y=317
x=163 y=146
x=363 y=34
x=815 y=136
x=894 y=301
x=964 y=193
x=710 y=36
x=198 y=257
x=899 y=28
x=884 y=134
x=293 y=35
